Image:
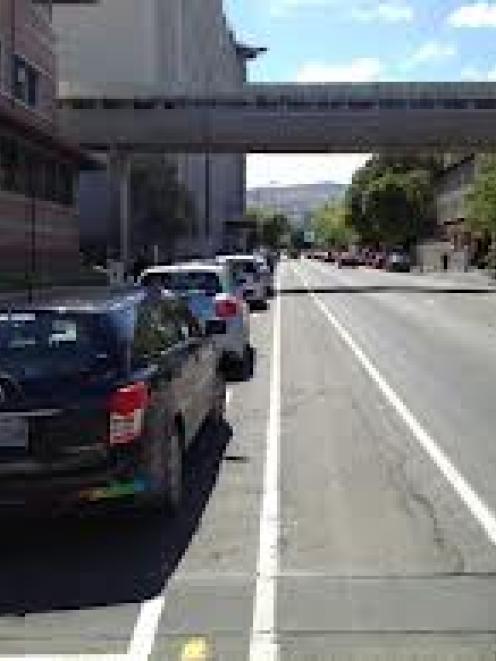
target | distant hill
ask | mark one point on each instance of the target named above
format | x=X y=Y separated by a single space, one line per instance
x=295 y=201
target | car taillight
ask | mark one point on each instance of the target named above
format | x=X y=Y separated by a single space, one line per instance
x=226 y=307
x=127 y=408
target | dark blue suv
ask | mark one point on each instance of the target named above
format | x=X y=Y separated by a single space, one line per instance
x=101 y=393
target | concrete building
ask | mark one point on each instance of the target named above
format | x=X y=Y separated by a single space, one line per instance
x=177 y=47
x=458 y=247
x=38 y=220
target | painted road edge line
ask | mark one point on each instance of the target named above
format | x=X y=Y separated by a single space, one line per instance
x=467 y=494
x=263 y=643
x=145 y=630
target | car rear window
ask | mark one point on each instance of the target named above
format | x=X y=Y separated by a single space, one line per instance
x=39 y=335
x=244 y=267
x=183 y=281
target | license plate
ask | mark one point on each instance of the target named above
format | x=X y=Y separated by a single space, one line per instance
x=14 y=432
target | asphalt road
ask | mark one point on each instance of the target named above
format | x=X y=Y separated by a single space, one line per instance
x=356 y=544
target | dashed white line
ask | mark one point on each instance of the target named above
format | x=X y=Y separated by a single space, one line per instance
x=263 y=642
x=467 y=494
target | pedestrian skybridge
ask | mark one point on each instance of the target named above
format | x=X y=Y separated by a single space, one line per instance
x=350 y=117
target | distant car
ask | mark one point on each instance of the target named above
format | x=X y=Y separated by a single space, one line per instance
x=378 y=260
x=247 y=276
x=348 y=259
x=329 y=257
x=399 y=262
x=266 y=274
x=102 y=394
x=214 y=297
x=293 y=254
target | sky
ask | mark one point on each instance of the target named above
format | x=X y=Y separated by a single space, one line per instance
x=359 y=40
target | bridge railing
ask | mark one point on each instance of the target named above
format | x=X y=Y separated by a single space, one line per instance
x=261 y=103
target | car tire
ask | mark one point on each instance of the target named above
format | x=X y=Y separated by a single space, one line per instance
x=244 y=366
x=164 y=465
x=217 y=412
x=174 y=470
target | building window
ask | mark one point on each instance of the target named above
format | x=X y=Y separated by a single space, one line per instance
x=25 y=81
x=26 y=172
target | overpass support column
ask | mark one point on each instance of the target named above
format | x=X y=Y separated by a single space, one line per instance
x=120 y=170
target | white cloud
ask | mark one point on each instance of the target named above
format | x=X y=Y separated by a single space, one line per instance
x=281 y=169
x=389 y=12
x=475 y=15
x=430 y=52
x=359 y=70
x=283 y=7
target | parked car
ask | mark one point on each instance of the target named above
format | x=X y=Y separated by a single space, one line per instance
x=399 y=262
x=379 y=260
x=329 y=257
x=348 y=259
x=101 y=394
x=266 y=275
x=214 y=297
x=246 y=272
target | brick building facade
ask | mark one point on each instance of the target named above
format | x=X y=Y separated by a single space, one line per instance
x=38 y=218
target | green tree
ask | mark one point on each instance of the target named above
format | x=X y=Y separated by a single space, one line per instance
x=391 y=200
x=330 y=226
x=271 y=226
x=481 y=200
x=161 y=205
x=480 y=204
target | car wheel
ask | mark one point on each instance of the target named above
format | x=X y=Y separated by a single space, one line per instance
x=244 y=366
x=218 y=410
x=174 y=470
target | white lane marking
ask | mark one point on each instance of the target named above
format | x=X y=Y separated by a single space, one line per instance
x=141 y=644
x=229 y=395
x=467 y=494
x=263 y=643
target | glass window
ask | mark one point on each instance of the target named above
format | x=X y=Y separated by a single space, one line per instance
x=204 y=281
x=56 y=340
x=25 y=81
x=392 y=104
x=157 y=329
x=454 y=104
x=485 y=104
x=361 y=105
x=422 y=104
x=9 y=157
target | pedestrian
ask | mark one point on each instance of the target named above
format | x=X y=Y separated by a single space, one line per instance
x=140 y=264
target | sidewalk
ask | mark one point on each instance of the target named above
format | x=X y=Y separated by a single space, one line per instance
x=473 y=277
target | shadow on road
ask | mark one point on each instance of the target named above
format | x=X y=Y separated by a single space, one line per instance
x=125 y=557
x=385 y=289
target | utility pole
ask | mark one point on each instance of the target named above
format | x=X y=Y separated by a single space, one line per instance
x=208 y=204
x=120 y=171
x=31 y=275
